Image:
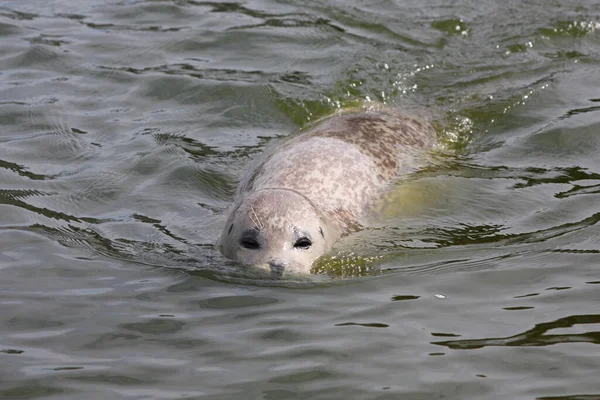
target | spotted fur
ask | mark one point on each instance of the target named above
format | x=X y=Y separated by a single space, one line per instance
x=339 y=168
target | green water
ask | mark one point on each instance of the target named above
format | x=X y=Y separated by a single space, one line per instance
x=125 y=126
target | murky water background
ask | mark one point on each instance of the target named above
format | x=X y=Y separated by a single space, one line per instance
x=124 y=128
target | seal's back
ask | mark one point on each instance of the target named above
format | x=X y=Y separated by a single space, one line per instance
x=344 y=162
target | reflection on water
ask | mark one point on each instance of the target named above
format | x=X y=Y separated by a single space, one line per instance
x=537 y=336
x=126 y=125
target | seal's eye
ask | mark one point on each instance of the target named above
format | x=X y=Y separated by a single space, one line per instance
x=250 y=243
x=303 y=243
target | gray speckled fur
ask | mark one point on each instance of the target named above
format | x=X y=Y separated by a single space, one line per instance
x=342 y=166
x=344 y=162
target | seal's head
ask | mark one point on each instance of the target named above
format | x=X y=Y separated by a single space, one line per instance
x=279 y=228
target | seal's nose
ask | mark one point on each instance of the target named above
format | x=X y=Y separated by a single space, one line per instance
x=277 y=269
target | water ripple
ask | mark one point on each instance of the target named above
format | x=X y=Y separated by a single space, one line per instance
x=537 y=336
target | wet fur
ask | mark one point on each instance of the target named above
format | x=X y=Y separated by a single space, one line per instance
x=337 y=170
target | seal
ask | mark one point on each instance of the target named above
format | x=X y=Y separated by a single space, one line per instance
x=301 y=196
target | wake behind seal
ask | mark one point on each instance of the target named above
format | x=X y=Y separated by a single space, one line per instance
x=300 y=196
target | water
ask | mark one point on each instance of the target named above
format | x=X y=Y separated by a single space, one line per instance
x=126 y=124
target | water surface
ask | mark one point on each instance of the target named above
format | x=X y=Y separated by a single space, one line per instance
x=125 y=126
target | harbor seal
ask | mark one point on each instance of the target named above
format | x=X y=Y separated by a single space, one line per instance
x=302 y=195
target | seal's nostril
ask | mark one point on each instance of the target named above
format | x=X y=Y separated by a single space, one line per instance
x=276 y=270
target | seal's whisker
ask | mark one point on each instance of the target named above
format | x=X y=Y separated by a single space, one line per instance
x=256 y=220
